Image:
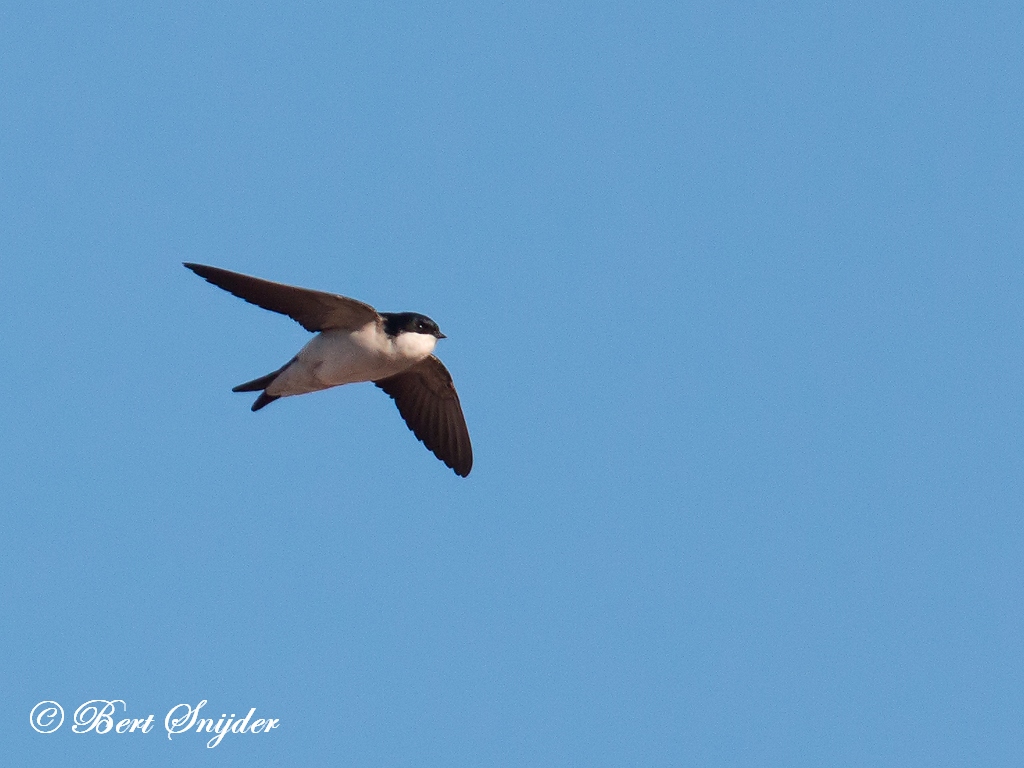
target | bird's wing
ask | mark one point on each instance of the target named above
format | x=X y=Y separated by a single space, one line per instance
x=313 y=310
x=427 y=400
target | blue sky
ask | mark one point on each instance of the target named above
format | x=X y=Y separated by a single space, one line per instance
x=733 y=298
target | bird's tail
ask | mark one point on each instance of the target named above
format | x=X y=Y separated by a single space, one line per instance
x=256 y=385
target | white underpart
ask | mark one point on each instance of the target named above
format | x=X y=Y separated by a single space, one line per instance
x=332 y=358
x=414 y=346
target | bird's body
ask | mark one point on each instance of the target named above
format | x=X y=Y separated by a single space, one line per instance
x=355 y=343
x=335 y=357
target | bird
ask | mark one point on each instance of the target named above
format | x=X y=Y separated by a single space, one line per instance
x=356 y=343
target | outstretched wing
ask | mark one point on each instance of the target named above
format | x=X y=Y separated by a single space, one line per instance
x=313 y=310
x=426 y=398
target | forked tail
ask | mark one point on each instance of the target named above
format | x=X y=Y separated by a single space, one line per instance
x=256 y=385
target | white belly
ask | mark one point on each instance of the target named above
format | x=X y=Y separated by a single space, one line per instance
x=332 y=358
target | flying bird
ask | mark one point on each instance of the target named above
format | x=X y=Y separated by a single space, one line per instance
x=353 y=343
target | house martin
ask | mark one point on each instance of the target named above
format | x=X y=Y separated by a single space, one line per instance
x=353 y=343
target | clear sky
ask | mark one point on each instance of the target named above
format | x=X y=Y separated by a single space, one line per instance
x=733 y=298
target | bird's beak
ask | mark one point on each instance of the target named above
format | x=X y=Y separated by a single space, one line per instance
x=441 y=335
